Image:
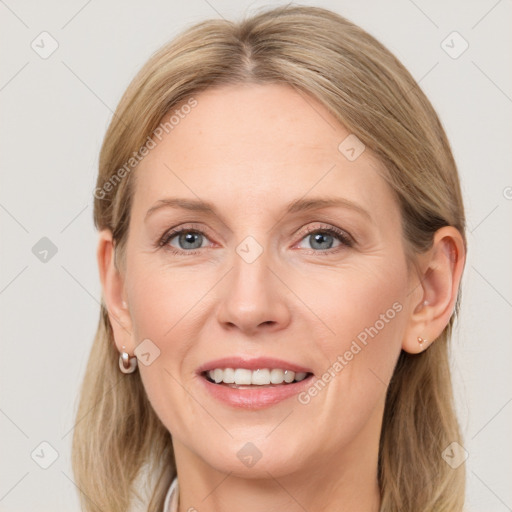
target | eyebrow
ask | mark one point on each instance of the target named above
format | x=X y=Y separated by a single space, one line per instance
x=296 y=206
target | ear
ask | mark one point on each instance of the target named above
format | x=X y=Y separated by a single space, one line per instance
x=112 y=283
x=433 y=299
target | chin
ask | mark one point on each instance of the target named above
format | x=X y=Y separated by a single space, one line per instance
x=256 y=458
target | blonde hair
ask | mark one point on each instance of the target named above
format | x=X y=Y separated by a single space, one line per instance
x=118 y=435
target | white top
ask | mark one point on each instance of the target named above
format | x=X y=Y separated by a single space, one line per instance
x=171 y=499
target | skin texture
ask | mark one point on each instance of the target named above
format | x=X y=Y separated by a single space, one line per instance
x=250 y=150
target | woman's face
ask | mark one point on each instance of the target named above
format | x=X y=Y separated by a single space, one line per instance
x=323 y=289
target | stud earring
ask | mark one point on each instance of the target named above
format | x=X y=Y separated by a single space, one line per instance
x=127 y=364
x=421 y=341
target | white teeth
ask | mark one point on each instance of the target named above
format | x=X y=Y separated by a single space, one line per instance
x=243 y=377
x=229 y=376
x=289 y=376
x=260 y=377
x=300 y=376
x=276 y=376
x=217 y=375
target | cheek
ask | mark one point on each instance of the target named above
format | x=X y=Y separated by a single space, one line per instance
x=364 y=311
x=161 y=299
x=353 y=299
x=165 y=307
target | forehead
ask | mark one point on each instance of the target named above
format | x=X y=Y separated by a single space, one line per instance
x=255 y=144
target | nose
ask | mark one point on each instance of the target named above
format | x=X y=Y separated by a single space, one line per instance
x=254 y=298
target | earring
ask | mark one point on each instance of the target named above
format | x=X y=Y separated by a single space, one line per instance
x=127 y=364
x=421 y=341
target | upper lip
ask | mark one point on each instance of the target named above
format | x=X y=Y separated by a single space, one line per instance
x=252 y=363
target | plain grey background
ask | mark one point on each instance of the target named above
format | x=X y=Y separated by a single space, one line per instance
x=55 y=111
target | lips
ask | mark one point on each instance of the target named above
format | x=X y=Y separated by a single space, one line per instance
x=261 y=393
x=254 y=397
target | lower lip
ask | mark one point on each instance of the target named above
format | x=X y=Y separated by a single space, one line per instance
x=255 y=397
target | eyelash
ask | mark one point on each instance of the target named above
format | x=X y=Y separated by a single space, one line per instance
x=345 y=239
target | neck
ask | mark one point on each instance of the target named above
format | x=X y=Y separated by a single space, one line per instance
x=311 y=491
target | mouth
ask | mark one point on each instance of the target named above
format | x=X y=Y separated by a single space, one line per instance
x=253 y=383
x=244 y=378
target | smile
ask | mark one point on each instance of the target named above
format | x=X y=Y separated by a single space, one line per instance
x=242 y=378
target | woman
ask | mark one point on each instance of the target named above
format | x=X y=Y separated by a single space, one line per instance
x=294 y=356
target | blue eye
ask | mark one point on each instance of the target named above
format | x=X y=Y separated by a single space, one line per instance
x=187 y=239
x=191 y=240
x=322 y=237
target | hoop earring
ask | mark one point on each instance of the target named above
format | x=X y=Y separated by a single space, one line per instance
x=127 y=364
